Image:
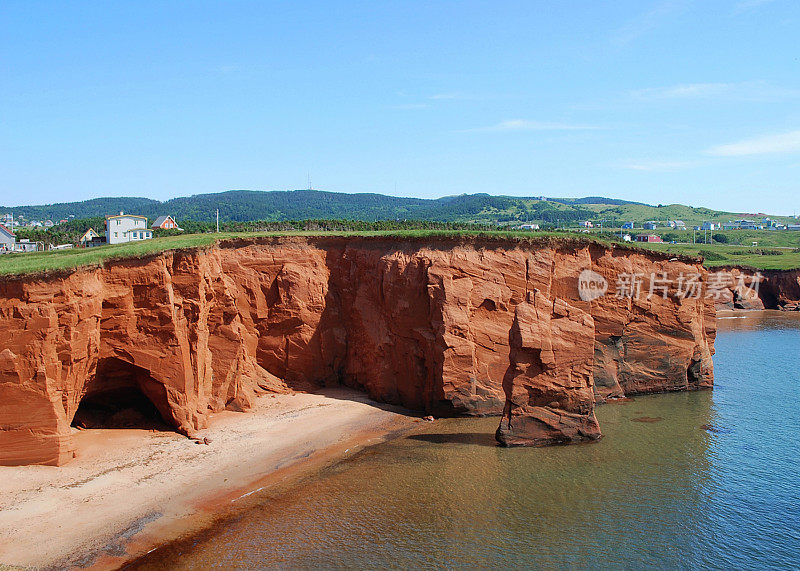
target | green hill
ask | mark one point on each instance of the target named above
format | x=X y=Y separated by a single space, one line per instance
x=276 y=206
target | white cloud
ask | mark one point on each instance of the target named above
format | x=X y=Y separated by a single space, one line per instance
x=683 y=90
x=767 y=144
x=742 y=91
x=411 y=106
x=647 y=22
x=747 y=5
x=525 y=125
x=442 y=96
x=659 y=166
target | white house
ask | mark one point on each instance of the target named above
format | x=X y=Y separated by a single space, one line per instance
x=7 y=239
x=709 y=226
x=123 y=228
x=25 y=245
x=89 y=238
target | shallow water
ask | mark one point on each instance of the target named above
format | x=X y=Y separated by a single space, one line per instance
x=687 y=480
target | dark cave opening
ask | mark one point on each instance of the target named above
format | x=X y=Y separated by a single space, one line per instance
x=115 y=398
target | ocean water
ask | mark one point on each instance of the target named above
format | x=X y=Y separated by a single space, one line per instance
x=687 y=480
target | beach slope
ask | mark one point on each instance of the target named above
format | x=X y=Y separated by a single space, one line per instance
x=130 y=490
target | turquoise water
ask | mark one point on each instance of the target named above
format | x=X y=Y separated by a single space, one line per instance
x=709 y=479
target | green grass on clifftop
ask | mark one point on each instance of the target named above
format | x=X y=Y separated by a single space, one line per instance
x=12 y=264
x=44 y=262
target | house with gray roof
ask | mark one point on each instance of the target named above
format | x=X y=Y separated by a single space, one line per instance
x=7 y=239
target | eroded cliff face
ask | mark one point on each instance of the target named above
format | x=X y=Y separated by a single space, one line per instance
x=445 y=326
x=776 y=289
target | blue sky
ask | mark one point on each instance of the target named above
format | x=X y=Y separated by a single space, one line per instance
x=658 y=101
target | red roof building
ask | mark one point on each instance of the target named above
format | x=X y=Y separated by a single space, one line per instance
x=652 y=238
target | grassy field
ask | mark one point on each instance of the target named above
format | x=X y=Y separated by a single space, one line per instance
x=763 y=238
x=725 y=255
x=15 y=264
x=11 y=264
x=776 y=250
x=691 y=215
x=642 y=212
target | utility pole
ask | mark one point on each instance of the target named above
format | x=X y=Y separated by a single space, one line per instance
x=217 y=220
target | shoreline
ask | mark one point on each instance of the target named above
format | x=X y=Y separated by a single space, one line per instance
x=130 y=491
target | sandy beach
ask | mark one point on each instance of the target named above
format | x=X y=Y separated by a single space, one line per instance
x=130 y=490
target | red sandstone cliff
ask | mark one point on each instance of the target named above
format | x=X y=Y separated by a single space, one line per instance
x=777 y=289
x=444 y=326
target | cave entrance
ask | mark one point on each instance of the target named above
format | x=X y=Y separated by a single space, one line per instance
x=116 y=398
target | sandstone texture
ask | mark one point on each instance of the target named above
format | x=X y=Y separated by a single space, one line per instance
x=781 y=290
x=446 y=326
x=777 y=289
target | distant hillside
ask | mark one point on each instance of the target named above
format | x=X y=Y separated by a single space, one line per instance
x=249 y=205
x=84 y=209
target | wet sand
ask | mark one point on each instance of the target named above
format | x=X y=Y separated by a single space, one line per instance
x=129 y=491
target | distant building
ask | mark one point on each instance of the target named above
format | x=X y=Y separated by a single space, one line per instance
x=7 y=239
x=628 y=226
x=166 y=223
x=25 y=245
x=677 y=224
x=709 y=226
x=749 y=225
x=529 y=227
x=793 y=226
x=88 y=237
x=652 y=238
x=586 y=224
x=626 y=238
x=651 y=225
x=124 y=228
